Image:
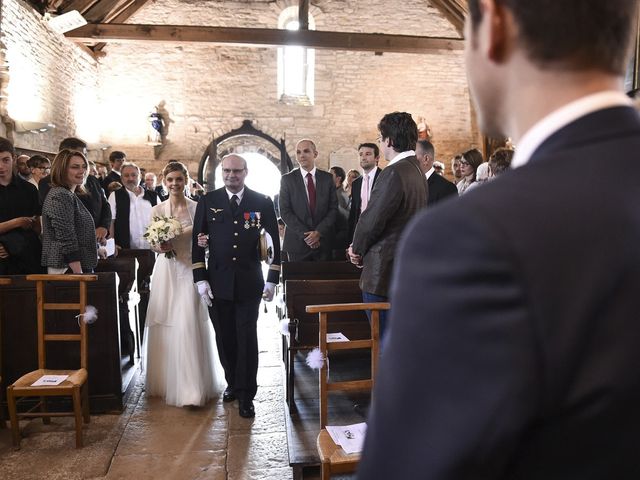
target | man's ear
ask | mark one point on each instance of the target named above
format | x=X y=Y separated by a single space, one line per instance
x=501 y=30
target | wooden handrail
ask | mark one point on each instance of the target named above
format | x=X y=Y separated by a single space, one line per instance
x=347 y=307
x=5 y=281
x=83 y=277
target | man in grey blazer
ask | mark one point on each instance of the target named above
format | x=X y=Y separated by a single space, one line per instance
x=308 y=207
x=399 y=193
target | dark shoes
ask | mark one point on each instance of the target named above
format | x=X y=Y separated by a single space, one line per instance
x=228 y=395
x=246 y=409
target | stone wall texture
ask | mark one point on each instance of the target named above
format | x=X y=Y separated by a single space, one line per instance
x=206 y=90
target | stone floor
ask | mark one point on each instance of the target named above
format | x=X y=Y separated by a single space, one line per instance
x=150 y=440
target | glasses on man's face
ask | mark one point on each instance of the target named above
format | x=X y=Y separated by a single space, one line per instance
x=235 y=171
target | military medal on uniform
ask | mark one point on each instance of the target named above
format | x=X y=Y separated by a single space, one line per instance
x=258 y=217
x=253 y=218
x=246 y=220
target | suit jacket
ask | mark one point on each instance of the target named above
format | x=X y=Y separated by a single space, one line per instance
x=234 y=270
x=122 y=223
x=519 y=303
x=356 y=202
x=94 y=200
x=440 y=188
x=294 y=210
x=400 y=192
x=111 y=177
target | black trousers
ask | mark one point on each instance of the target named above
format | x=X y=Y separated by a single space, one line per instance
x=235 y=323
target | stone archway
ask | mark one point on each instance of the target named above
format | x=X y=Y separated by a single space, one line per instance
x=245 y=139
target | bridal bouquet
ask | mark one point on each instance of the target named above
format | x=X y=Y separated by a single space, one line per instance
x=161 y=230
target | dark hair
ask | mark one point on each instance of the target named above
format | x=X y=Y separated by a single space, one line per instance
x=474 y=157
x=7 y=146
x=339 y=171
x=400 y=128
x=376 y=149
x=175 y=166
x=60 y=165
x=500 y=160
x=116 y=155
x=37 y=161
x=72 y=143
x=595 y=34
x=427 y=146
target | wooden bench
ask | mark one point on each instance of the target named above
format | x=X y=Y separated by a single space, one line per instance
x=303 y=326
x=19 y=336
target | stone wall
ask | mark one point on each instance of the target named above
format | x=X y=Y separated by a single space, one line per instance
x=44 y=78
x=208 y=90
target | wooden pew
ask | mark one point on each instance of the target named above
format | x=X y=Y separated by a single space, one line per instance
x=126 y=268
x=19 y=336
x=303 y=326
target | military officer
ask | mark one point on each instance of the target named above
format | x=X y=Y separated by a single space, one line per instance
x=232 y=283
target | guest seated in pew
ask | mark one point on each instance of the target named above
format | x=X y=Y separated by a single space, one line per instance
x=69 y=240
x=20 y=247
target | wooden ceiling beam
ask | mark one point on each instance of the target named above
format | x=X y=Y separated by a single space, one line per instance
x=101 y=10
x=80 y=5
x=453 y=11
x=261 y=37
x=303 y=15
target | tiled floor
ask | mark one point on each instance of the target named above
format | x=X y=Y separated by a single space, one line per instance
x=150 y=440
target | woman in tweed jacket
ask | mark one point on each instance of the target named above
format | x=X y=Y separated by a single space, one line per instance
x=68 y=231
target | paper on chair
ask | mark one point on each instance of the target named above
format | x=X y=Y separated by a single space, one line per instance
x=349 y=437
x=336 y=337
x=49 y=380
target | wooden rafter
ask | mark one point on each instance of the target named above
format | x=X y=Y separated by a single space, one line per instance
x=453 y=10
x=303 y=15
x=101 y=10
x=261 y=37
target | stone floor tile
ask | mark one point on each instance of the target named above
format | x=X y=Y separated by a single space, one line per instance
x=263 y=451
x=188 y=466
x=283 y=473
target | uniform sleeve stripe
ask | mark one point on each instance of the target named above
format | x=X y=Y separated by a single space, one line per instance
x=274 y=267
x=198 y=265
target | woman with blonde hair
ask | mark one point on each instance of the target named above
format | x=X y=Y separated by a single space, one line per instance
x=181 y=360
x=68 y=231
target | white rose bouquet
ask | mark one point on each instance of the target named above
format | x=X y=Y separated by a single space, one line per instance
x=161 y=230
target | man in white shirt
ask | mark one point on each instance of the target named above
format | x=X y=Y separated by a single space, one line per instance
x=514 y=316
x=369 y=155
x=131 y=209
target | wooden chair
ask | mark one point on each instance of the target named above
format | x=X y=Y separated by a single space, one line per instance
x=76 y=385
x=3 y=424
x=333 y=458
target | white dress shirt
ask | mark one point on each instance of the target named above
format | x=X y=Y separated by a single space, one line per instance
x=139 y=217
x=231 y=194
x=303 y=172
x=400 y=156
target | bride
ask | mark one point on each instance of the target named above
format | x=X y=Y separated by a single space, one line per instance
x=181 y=361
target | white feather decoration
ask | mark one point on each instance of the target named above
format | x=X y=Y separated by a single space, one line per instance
x=284 y=326
x=89 y=316
x=315 y=359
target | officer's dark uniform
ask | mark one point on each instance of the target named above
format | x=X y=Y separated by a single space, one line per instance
x=235 y=275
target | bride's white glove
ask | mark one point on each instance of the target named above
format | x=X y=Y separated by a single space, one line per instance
x=204 y=290
x=269 y=291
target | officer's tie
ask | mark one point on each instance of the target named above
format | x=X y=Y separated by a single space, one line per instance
x=234 y=204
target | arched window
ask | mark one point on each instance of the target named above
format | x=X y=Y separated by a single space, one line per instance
x=295 y=64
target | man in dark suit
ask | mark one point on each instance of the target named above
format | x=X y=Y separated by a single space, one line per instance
x=232 y=284
x=308 y=207
x=439 y=187
x=116 y=159
x=400 y=192
x=518 y=304
x=369 y=154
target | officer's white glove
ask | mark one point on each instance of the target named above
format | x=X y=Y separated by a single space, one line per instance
x=269 y=291
x=204 y=290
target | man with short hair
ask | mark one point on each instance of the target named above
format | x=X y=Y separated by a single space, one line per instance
x=456 y=168
x=95 y=201
x=24 y=172
x=439 y=187
x=232 y=283
x=369 y=154
x=131 y=209
x=309 y=207
x=116 y=159
x=514 y=317
x=400 y=193
x=20 y=247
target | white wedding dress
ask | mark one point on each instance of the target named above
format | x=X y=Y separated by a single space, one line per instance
x=182 y=364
